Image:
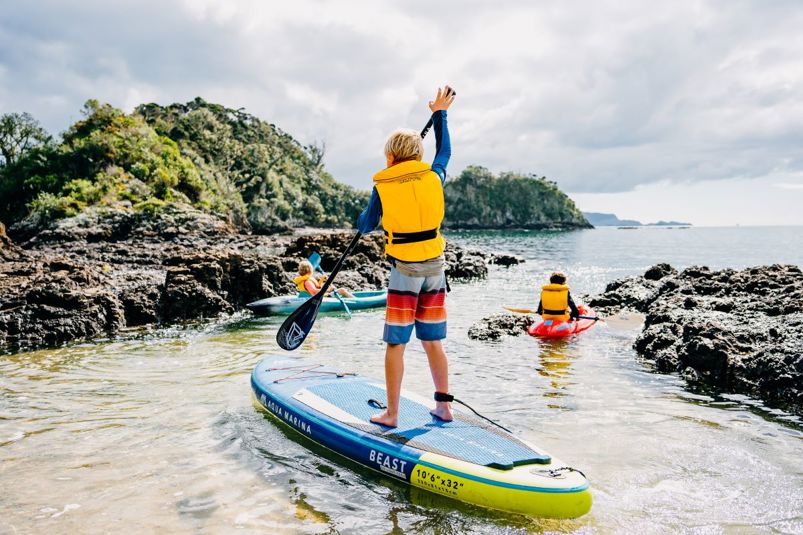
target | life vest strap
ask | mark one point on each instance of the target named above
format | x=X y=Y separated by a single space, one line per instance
x=554 y=312
x=402 y=238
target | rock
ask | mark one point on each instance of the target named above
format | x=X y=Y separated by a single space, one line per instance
x=110 y=268
x=119 y=223
x=141 y=304
x=185 y=297
x=465 y=264
x=368 y=257
x=53 y=304
x=505 y=260
x=8 y=251
x=738 y=331
x=659 y=271
x=496 y=326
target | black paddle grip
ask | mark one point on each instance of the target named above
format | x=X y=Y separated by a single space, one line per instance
x=424 y=132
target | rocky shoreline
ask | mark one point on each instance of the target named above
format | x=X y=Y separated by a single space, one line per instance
x=100 y=272
x=733 y=331
x=738 y=331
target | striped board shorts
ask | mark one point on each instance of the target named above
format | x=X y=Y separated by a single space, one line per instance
x=415 y=301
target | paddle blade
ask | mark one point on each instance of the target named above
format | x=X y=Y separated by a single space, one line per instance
x=519 y=310
x=315 y=260
x=298 y=325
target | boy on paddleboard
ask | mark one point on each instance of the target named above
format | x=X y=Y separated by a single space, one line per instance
x=408 y=199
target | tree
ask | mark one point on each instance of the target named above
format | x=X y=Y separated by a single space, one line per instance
x=19 y=133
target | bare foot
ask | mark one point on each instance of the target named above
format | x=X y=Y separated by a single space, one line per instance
x=385 y=419
x=442 y=411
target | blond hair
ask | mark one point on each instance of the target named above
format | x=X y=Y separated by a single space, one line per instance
x=403 y=145
x=304 y=268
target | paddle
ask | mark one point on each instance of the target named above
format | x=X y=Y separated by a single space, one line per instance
x=622 y=320
x=315 y=260
x=298 y=325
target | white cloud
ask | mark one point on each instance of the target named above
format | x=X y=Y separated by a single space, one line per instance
x=790 y=185
x=601 y=97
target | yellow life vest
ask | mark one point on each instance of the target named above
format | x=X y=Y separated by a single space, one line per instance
x=555 y=301
x=412 y=211
x=301 y=279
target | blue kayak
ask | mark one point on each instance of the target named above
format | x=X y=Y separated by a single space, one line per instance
x=467 y=459
x=286 y=304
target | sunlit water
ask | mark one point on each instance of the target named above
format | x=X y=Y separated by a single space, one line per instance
x=157 y=432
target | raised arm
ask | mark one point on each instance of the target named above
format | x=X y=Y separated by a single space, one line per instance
x=443 y=146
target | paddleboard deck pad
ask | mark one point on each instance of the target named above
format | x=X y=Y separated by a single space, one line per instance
x=468 y=459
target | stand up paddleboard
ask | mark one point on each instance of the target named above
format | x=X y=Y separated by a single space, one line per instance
x=468 y=459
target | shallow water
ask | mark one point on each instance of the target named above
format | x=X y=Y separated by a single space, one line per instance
x=157 y=432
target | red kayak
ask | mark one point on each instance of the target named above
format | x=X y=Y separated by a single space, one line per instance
x=562 y=328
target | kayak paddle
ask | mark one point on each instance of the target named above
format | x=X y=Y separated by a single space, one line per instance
x=622 y=320
x=315 y=260
x=298 y=325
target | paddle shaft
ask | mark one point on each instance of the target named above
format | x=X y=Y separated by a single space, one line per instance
x=339 y=265
x=315 y=260
x=531 y=311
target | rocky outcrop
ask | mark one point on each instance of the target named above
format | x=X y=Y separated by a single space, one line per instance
x=122 y=223
x=105 y=270
x=47 y=303
x=501 y=259
x=8 y=251
x=735 y=330
x=461 y=263
x=497 y=326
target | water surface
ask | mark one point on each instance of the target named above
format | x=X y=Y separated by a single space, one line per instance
x=156 y=432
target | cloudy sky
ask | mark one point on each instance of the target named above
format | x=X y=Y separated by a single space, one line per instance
x=689 y=110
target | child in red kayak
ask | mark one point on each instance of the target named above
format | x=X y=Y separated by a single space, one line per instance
x=408 y=199
x=308 y=285
x=556 y=301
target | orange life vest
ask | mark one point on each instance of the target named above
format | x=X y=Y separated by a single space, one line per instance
x=412 y=211
x=555 y=301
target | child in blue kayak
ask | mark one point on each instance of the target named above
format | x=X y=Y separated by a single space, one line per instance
x=556 y=301
x=408 y=199
x=308 y=284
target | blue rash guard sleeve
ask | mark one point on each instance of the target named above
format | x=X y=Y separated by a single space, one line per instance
x=443 y=145
x=372 y=215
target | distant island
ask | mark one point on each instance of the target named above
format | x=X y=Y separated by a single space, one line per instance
x=479 y=199
x=599 y=219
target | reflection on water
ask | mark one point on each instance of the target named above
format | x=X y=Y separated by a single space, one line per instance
x=555 y=362
x=158 y=432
